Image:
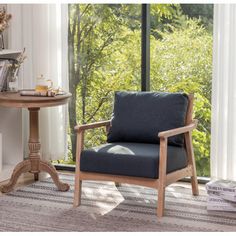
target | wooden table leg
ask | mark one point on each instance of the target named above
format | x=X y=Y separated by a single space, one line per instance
x=38 y=165
x=50 y=169
x=20 y=168
x=34 y=164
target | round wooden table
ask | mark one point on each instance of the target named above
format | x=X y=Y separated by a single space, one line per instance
x=34 y=164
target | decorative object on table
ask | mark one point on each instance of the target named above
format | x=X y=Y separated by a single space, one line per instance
x=221 y=195
x=14 y=68
x=4 y=23
x=43 y=88
x=9 y=70
x=43 y=85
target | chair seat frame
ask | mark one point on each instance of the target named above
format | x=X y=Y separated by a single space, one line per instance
x=164 y=179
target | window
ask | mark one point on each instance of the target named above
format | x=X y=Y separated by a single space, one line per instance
x=181 y=60
x=105 y=56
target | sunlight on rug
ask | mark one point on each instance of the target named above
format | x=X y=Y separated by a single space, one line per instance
x=105 y=207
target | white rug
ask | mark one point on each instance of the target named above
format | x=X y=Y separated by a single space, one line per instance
x=40 y=207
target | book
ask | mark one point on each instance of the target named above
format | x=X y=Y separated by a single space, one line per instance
x=219 y=204
x=4 y=70
x=48 y=93
x=223 y=186
x=37 y=93
x=220 y=208
x=223 y=195
x=228 y=197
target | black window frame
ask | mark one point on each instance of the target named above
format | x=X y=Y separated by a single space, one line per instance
x=145 y=48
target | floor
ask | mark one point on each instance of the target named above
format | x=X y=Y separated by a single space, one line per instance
x=105 y=208
x=28 y=178
x=104 y=204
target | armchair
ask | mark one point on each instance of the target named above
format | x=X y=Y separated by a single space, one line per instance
x=149 y=143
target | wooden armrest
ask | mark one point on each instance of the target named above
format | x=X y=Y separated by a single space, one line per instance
x=79 y=128
x=181 y=130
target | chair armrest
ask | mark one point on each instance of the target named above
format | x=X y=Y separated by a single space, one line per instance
x=181 y=130
x=79 y=128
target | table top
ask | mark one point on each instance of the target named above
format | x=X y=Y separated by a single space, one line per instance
x=10 y=99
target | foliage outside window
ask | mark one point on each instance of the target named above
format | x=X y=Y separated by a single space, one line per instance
x=181 y=60
x=105 y=56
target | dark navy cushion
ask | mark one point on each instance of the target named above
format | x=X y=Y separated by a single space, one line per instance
x=140 y=116
x=131 y=159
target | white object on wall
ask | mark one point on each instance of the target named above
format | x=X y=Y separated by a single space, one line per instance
x=223 y=131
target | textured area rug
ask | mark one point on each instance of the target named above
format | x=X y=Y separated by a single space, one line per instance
x=40 y=207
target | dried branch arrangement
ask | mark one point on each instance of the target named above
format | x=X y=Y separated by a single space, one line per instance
x=4 y=19
x=15 y=66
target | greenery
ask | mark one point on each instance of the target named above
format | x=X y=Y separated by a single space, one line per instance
x=182 y=61
x=105 y=56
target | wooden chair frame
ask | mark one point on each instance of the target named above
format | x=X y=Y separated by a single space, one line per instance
x=164 y=178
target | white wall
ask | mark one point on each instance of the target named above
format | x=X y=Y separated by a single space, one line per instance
x=11 y=129
x=11 y=118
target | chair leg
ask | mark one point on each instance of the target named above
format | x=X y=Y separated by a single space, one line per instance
x=162 y=177
x=189 y=148
x=194 y=183
x=36 y=176
x=78 y=181
x=77 y=192
x=161 y=201
x=117 y=184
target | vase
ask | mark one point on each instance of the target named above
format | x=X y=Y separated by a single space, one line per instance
x=12 y=82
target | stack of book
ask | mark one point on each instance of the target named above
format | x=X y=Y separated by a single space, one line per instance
x=48 y=93
x=4 y=70
x=7 y=59
x=221 y=195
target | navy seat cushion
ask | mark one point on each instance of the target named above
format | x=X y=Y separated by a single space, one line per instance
x=131 y=159
x=140 y=116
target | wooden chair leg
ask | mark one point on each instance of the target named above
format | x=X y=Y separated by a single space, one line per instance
x=191 y=160
x=194 y=183
x=77 y=192
x=161 y=202
x=162 y=177
x=78 y=182
x=117 y=184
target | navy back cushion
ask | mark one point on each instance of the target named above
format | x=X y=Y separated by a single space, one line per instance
x=140 y=116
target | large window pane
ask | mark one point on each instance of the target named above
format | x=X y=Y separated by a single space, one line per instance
x=181 y=60
x=104 y=56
